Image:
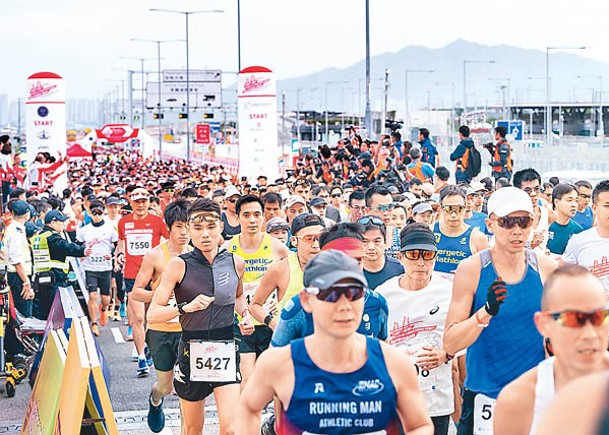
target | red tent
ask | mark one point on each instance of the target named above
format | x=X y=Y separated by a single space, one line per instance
x=78 y=151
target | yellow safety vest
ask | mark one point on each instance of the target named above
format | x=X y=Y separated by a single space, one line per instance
x=42 y=255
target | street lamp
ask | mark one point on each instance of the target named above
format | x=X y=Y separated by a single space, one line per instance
x=368 y=113
x=186 y=15
x=548 y=117
x=326 y=99
x=506 y=108
x=465 y=62
x=143 y=90
x=158 y=53
x=406 y=72
x=601 y=124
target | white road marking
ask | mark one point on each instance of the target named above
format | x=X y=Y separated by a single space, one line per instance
x=118 y=336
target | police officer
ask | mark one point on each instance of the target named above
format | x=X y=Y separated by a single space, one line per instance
x=50 y=248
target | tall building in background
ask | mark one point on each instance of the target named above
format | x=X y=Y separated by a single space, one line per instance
x=3 y=110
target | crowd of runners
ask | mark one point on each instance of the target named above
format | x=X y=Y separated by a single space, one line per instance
x=371 y=289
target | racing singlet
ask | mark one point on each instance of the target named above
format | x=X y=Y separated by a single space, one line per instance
x=295 y=284
x=256 y=264
x=360 y=402
x=511 y=344
x=172 y=325
x=451 y=250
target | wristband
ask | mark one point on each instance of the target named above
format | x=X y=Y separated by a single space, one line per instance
x=448 y=356
x=480 y=323
x=268 y=319
x=244 y=311
x=181 y=308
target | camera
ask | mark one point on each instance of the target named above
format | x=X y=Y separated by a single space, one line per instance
x=394 y=125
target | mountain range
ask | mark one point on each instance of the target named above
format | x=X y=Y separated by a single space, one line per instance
x=517 y=76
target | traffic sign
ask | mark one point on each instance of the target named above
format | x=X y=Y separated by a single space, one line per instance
x=117 y=133
x=194 y=75
x=514 y=128
x=173 y=95
x=203 y=134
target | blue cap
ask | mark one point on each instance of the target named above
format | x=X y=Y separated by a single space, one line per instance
x=54 y=215
x=20 y=207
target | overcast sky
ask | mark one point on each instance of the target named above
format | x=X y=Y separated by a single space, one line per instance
x=82 y=40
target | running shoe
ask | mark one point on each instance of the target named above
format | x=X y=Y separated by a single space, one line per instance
x=103 y=318
x=123 y=310
x=129 y=333
x=142 y=368
x=95 y=329
x=116 y=317
x=156 y=416
x=148 y=356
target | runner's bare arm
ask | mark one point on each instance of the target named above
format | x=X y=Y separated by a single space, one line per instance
x=480 y=241
x=268 y=283
x=280 y=250
x=270 y=370
x=462 y=330
x=143 y=278
x=158 y=311
x=517 y=399
x=411 y=405
x=546 y=265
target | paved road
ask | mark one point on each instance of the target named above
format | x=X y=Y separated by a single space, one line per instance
x=128 y=394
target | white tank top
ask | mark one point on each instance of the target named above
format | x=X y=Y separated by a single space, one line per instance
x=544 y=390
x=542 y=225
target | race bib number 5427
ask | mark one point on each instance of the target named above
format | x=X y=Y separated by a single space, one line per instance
x=213 y=361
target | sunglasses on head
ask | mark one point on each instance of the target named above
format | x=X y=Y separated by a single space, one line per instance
x=351 y=291
x=577 y=319
x=204 y=217
x=374 y=220
x=302 y=182
x=415 y=254
x=509 y=222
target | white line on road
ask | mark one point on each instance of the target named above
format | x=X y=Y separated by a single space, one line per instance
x=118 y=336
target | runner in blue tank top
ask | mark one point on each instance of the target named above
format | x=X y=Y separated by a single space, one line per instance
x=335 y=381
x=495 y=296
x=455 y=240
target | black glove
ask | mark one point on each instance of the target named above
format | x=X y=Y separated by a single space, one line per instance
x=495 y=296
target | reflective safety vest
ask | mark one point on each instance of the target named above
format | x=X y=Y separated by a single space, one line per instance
x=42 y=255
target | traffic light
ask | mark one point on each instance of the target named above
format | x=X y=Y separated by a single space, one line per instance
x=208 y=116
x=136 y=117
x=158 y=116
x=182 y=115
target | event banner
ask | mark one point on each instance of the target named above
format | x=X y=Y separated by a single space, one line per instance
x=258 y=141
x=46 y=128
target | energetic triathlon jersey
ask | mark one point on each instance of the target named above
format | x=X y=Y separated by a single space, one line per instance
x=451 y=249
x=360 y=402
x=295 y=284
x=544 y=390
x=511 y=344
x=219 y=280
x=172 y=325
x=297 y=323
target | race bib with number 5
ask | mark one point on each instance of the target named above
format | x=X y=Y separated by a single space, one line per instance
x=213 y=361
x=484 y=408
x=139 y=244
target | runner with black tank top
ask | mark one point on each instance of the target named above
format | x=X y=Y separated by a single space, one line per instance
x=335 y=380
x=496 y=293
x=229 y=214
x=576 y=325
x=207 y=284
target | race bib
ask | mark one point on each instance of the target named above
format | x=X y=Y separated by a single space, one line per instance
x=427 y=378
x=213 y=361
x=139 y=244
x=484 y=408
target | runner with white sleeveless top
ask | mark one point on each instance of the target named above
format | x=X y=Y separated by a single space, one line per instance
x=576 y=326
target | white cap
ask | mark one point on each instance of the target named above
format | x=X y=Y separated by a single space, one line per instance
x=231 y=191
x=294 y=199
x=509 y=200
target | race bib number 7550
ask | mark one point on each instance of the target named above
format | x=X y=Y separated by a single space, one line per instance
x=139 y=244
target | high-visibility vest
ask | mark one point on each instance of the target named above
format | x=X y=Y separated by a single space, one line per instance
x=42 y=255
x=497 y=157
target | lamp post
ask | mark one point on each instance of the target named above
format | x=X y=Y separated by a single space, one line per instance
x=506 y=108
x=186 y=15
x=465 y=62
x=601 y=124
x=406 y=105
x=368 y=113
x=143 y=89
x=385 y=95
x=326 y=99
x=548 y=117
x=158 y=43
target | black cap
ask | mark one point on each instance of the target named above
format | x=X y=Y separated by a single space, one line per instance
x=306 y=220
x=317 y=201
x=416 y=239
